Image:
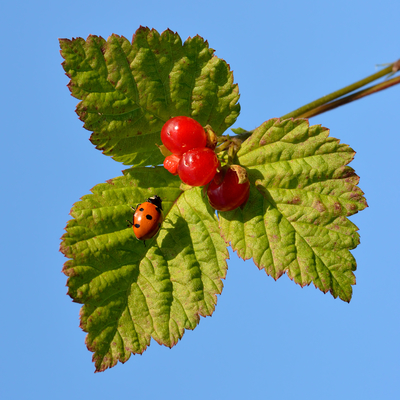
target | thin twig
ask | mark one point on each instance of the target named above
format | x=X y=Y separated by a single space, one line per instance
x=392 y=68
x=352 y=97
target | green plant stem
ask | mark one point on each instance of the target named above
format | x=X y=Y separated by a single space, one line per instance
x=327 y=103
x=352 y=97
x=342 y=92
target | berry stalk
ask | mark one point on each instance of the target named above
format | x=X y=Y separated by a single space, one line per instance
x=309 y=108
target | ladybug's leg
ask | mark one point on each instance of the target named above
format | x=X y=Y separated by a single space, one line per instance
x=130 y=224
x=135 y=208
x=144 y=242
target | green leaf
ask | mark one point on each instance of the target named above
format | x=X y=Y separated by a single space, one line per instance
x=132 y=293
x=129 y=90
x=239 y=131
x=295 y=221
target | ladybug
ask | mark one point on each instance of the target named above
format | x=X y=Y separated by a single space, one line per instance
x=147 y=218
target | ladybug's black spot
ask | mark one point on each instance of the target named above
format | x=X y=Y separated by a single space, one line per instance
x=149 y=217
x=141 y=209
x=137 y=226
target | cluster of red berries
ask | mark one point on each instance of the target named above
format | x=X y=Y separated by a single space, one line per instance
x=186 y=139
x=197 y=165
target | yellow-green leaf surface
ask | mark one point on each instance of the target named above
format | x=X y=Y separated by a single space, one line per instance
x=130 y=89
x=295 y=221
x=132 y=293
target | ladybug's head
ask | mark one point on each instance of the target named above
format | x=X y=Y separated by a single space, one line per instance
x=156 y=200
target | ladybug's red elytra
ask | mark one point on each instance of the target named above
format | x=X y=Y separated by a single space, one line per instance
x=147 y=218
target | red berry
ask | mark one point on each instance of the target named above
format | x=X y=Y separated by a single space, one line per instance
x=181 y=134
x=198 y=166
x=171 y=163
x=225 y=193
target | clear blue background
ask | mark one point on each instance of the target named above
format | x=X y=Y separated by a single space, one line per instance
x=266 y=339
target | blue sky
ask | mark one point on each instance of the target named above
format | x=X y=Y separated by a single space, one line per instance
x=266 y=339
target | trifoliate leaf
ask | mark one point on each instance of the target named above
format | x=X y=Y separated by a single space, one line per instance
x=132 y=293
x=129 y=90
x=295 y=221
